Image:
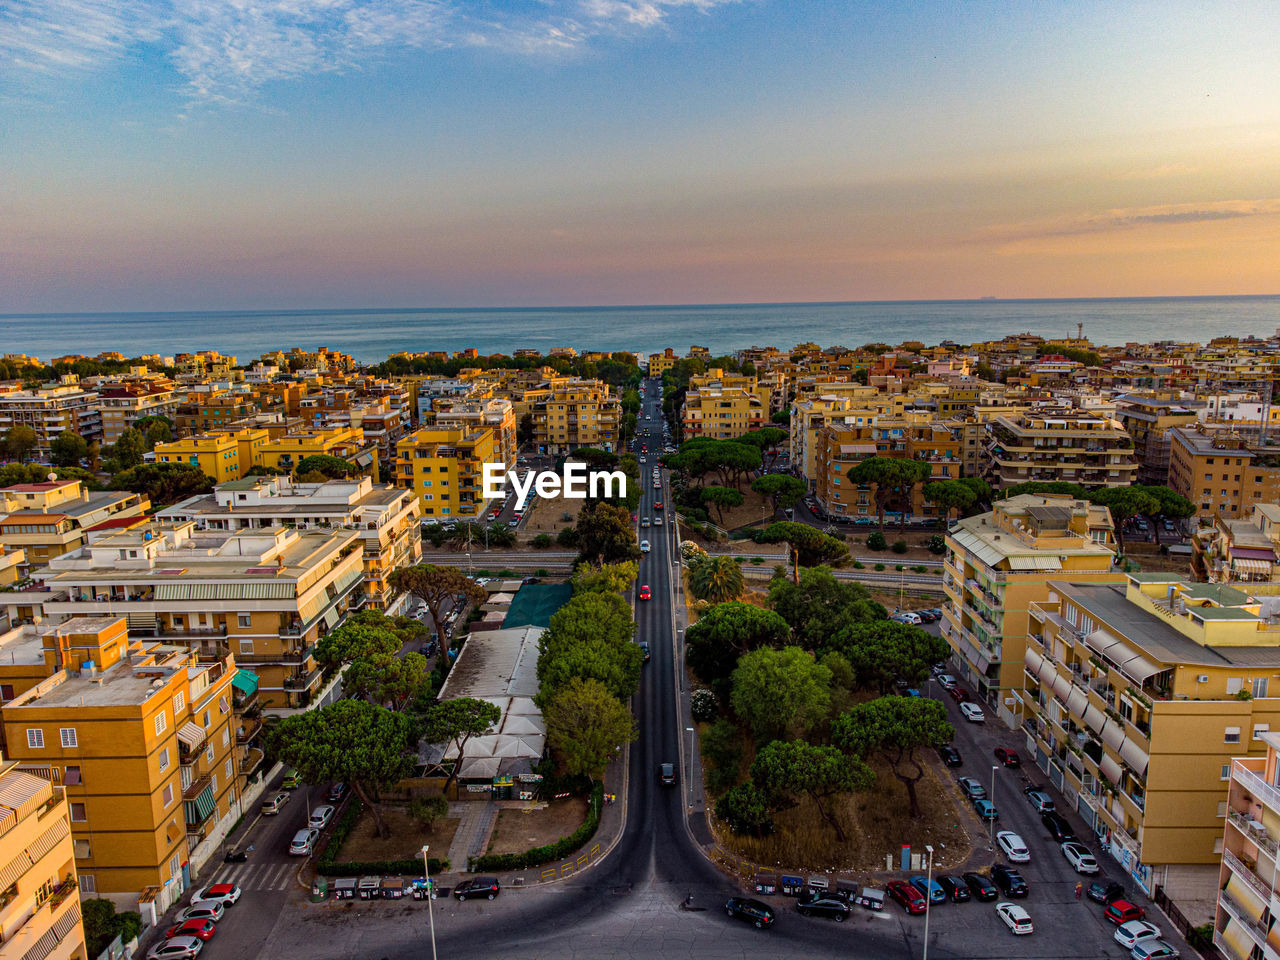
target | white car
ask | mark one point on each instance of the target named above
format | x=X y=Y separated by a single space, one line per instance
x=201 y=910
x=642 y=459
x=946 y=681
x=1153 y=948
x=320 y=817
x=644 y=546
x=1013 y=846
x=1014 y=917
x=657 y=521
x=972 y=712
x=906 y=616
x=1081 y=860
x=176 y=948
x=303 y=842
x=1128 y=934
x=644 y=521
x=224 y=893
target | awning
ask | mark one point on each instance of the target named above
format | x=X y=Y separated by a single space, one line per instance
x=1137 y=667
x=1265 y=554
x=1234 y=936
x=1077 y=701
x=200 y=809
x=1061 y=687
x=1033 y=661
x=1094 y=718
x=1113 y=734
x=1261 y=567
x=246 y=681
x=1248 y=902
x=1035 y=563
x=1109 y=768
x=1101 y=641
x=192 y=734
x=1047 y=672
x=1133 y=754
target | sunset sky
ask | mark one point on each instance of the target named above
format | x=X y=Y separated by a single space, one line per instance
x=224 y=154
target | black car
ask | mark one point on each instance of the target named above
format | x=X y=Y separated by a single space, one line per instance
x=759 y=915
x=1102 y=891
x=486 y=887
x=644 y=649
x=823 y=906
x=1057 y=826
x=336 y=792
x=667 y=774
x=1009 y=880
x=955 y=889
x=981 y=887
x=950 y=756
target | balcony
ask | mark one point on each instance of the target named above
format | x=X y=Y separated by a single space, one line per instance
x=1254 y=831
x=1256 y=931
x=1247 y=874
x=196 y=788
x=1261 y=790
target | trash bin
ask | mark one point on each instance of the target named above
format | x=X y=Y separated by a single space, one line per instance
x=847 y=890
x=819 y=886
x=766 y=883
x=319 y=889
x=368 y=887
x=344 y=888
x=792 y=886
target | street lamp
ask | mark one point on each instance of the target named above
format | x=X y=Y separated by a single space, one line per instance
x=426 y=873
x=991 y=823
x=928 y=899
x=689 y=730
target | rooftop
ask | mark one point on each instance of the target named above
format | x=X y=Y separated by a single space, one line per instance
x=127 y=683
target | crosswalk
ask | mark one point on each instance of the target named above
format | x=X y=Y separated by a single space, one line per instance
x=258 y=876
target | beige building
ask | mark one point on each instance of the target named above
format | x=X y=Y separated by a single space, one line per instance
x=1090 y=451
x=569 y=413
x=723 y=406
x=495 y=413
x=1239 y=551
x=1221 y=474
x=1150 y=421
x=40 y=908
x=46 y=520
x=52 y=410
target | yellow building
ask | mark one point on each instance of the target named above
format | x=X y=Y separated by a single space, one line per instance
x=1150 y=420
x=444 y=467
x=223 y=456
x=40 y=915
x=1090 y=451
x=1138 y=696
x=723 y=406
x=660 y=363
x=569 y=413
x=997 y=564
x=496 y=414
x=1248 y=896
x=1240 y=551
x=345 y=443
x=1221 y=474
x=46 y=520
x=141 y=737
x=125 y=400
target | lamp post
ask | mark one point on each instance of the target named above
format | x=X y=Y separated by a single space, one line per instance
x=426 y=872
x=928 y=899
x=991 y=823
x=689 y=730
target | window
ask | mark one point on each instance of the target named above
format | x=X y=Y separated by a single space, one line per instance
x=1222 y=808
x=161 y=723
x=175 y=865
x=205 y=724
x=1233 y=686
x=164 y=759
x=1259 y=691
x=179 y=702
x=1225 y=772
x=68 y=735
x=213 y=782
x=35 y=739
x=209 y=754
x=88 y=883
x=226 y=769
x=77 y=813
x=1259 y=729
x=244 y=620
x=71 y=776
x=6 y=691
x=166 y=796
x=226 y=736
x=246 y=647
x=1217 y=846
x=1232 y=735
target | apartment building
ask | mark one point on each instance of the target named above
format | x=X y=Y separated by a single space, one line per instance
x=723 y=406
x=1090 y=451
x=997 y=564
x=40 y=907
x=205 y=363
x=1138 y=696
x=345 y=443
x=443 y=466
x=141 y=736
x=569 y=412
x=52 y=410
x=1239 y=551
x=124 y=401
x=660 y=363
x=1150 y=422
x=496 y=414
x=204 y=410
x=1222 y=474
x=386 y=518
x=225 y=455
x=266 y=595
x=46 y=520
x=1248 y=904
x=851 y=404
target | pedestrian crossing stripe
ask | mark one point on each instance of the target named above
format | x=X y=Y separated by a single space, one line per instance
x=258 y=876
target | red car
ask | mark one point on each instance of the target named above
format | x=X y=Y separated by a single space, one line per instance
x=204 y=929
x=658 y=505
x=1122 y=911
x=644 y=594
x=958 y=694
x=1008 y=757
x=907 y=896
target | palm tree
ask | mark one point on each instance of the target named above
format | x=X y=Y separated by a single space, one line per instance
x=717 y=580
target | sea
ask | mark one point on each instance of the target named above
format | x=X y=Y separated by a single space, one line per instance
x=370 y=335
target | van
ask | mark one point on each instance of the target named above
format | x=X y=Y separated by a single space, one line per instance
x=292 y=779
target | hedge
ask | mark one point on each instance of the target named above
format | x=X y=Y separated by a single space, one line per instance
x=498 y=862
x=329 y=867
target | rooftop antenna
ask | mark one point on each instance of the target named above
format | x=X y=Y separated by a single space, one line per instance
x=1080 y=330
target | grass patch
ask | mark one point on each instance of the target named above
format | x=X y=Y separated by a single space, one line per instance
x=519 y=830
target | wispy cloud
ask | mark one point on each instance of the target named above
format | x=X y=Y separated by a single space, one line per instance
x=226 y=49
x=1130 y=218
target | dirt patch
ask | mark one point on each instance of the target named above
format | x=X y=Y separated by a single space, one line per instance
x=519 y=830
x=755 y=509
x=548 y=516
x=406 y=840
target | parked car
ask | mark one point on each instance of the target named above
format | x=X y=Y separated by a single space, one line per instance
x=224 y=893
x=929 y=888
x=906 y=896
x=1042 y=802
x=179 y=948
x=950 y=756
x=1008 y=757
x=201 y=910
x=823 y=906
x=1153 y=948
x=946 y=681
x=1081 y=860
x=645 y=594
x=1105 y=892
x=956 y=889
x=986 y=810
x=958 y=694
x=981 y=887
x=292 y=779
x=486 y=887
x=667 y=774
x=1015 y=918
x=759 y=915
x=200 y=929
x=1122 y=911
x=972 y=712
x=303 y=842
x=271 y=806
x=1013 y=846
x=1057 y=826
x=320 y=817
x=1009 y=880
x=336 y=792
x=973 y=788
x=1128 y=934
x=909 y=616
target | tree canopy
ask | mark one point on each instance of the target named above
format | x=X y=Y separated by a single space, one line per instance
x=434 y=585
x=67 y=449
x=355 y=641
x=882 y=651
x=586 y=725
x=454 y=722
x=949 y=495
x=889 y=476
x=163 y=483
x=333 y=468
x=894 y=727
x=727 y=631
x=609 y=578
x=812 y=546
x=717 y=580
x=819 y=606
x=606 y=535
x=786 y=770
x=19 y=442
x=774 y=690
x=782 y=489
x=389 y=680
x=721 y=497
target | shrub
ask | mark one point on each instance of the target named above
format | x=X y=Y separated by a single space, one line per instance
x=876 y=541
x=541 y=572
x=899 y=567
x=568 y=537
x=722 y=749
x=937 y=544
x=541 y=542
x=756 y=561
x=703 y=706
x=428 y=809
x=1201 y=937
x=879 y=566
x=497 y=862
x=899 y=546
x=506 y=573
x=859 y=565
x=918 y=569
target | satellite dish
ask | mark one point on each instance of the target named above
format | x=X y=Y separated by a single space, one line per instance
x=52 y=476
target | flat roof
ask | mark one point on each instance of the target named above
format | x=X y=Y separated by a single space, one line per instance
x=120 y=685
x=496 y=663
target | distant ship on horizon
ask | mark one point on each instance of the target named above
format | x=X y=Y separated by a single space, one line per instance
x=988 y=298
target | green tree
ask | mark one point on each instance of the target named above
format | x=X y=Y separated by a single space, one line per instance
x=19 y=442
x=333 y=468
x=606 y=535
x=67 y=449
x=721 y=497
x=163 y=483
x=745 y=808
x=890 y=476
x=1125 y=503
x=158 y=432
x=102 y=924
x=781 y=417
x=434 y=585
x=524 y=430
x=797 y=768
x=1045 y=486
x=777 y=689
x=586 y=725
x=609 y=578
x=882 y=651
x=876 y=541
x=949 y=495
x=727 y=631
x=454 y=722
x=767 y=440
x=982 y=492
x=355 y=641
x=129 y=450
x=388 y=680
x=717 y=580
x=819 y=606
x=721 y=747
x=894 y=727
x=783 y=490
x=1171 y=506
x=811 y=546
x=353 y=741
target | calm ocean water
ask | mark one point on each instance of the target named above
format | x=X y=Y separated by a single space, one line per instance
x=371 y=335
